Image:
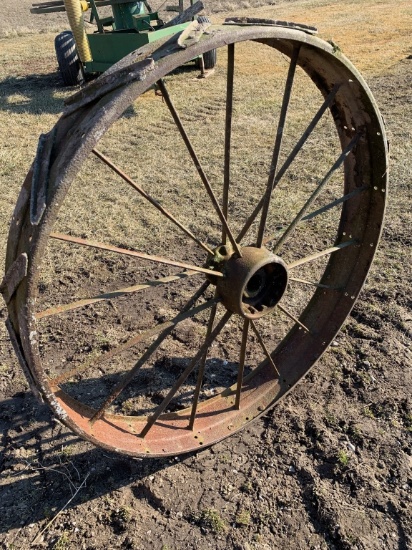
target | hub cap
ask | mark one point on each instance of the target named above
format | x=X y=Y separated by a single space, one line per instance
x=254 y=283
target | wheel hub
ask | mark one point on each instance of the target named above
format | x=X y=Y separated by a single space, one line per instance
x=254 y=283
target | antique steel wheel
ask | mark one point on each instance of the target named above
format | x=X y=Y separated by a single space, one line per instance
x=176 y=265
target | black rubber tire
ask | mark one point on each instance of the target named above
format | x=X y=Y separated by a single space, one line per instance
x=209 y=58
x=68 y=59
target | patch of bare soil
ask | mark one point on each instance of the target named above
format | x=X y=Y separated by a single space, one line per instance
x=328 y=468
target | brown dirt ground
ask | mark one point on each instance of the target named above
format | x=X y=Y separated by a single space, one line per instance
x=330 y=467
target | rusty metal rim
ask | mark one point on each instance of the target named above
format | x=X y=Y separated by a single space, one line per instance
x=324 y=315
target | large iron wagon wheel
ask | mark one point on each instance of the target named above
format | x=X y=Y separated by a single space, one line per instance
x=168 y=283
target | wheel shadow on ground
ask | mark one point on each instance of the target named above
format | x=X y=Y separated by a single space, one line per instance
x=43 y=465
x=32 y=94
x=42 y=93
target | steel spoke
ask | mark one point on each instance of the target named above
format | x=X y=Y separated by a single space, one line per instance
x=242 y=359
x=152 y=201
x=291 y=316
x=311 y=283
x=141 y=255
x=228 y=132
x=322 y=210
x=265 y=350
x=94 y=361
x=197 y=164
x=328 y=101
x=278 y=144
x=317 y=255
x=149 y=352
x=334 y=203
x=201 y=370
x=186 y=312
x=56 y=310
x=345 y=153
x=182 y=378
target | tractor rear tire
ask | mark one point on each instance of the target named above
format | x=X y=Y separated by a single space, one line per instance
x=68 y=59
x=209 y=58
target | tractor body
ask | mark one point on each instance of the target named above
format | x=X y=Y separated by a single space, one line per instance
x=108 y=48
x=83 y=55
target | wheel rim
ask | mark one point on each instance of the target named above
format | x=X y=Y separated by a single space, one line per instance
x=272 y=356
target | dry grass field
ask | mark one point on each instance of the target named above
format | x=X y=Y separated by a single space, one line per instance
x=331 y=466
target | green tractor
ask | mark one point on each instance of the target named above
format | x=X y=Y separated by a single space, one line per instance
x=83 y=55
